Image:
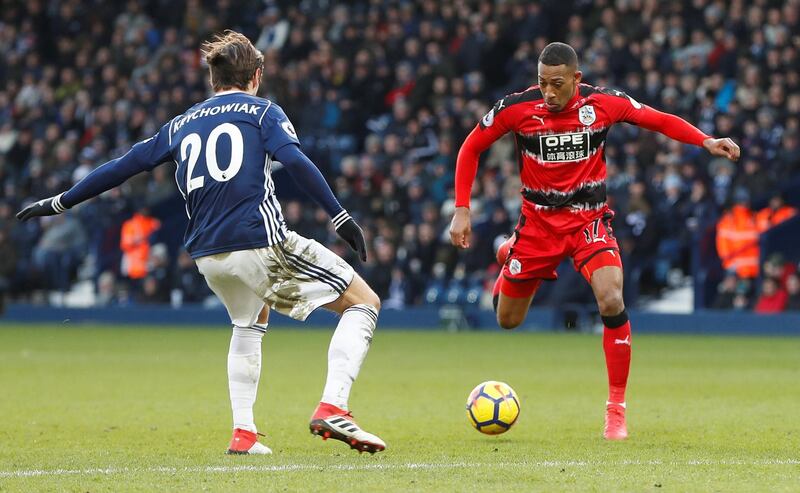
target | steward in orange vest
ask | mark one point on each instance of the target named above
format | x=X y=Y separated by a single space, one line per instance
x=135 y=243
x=737 y=239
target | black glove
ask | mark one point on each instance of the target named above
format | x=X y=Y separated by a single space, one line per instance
x=45 y=207
x=351 y=232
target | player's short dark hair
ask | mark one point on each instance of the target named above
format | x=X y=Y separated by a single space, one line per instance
x=232 y=60
x=559 y=54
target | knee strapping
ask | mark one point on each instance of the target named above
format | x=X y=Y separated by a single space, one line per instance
x=615 y=321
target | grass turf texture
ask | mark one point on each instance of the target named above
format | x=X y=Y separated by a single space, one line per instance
x=146 y=409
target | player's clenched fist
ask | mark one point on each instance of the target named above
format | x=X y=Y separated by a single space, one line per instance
x=461 y=228
x=722 y=147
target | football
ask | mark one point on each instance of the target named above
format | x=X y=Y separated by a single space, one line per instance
x=493 y=407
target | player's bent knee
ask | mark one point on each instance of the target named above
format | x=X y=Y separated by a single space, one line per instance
x=508 y=324
x=610 y=303
x=364 y=295
x=509 y=321
x=373 y=300
x=370 y=298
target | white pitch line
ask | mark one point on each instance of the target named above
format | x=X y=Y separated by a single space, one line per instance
x=108 y=471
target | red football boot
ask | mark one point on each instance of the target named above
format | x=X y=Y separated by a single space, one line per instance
x=615 y=428
x=329 y=421
x=246 y=443
x=504 y=249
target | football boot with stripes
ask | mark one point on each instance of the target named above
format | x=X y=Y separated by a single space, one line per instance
x=329 y=421
x=246 y=443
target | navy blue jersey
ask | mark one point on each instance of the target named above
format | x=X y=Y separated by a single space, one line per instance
x=223 y=148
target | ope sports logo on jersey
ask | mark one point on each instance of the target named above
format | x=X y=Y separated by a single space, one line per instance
x=564 y=147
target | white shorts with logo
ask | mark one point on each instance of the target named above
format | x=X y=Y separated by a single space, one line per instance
x=294 y=278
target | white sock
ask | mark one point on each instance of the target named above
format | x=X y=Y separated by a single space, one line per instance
x=349 y=346
x=244 y=370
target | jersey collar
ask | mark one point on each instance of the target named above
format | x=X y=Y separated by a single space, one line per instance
x=229 y=91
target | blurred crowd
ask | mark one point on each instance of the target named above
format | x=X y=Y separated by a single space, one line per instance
x=382 y=94
x=778 y=291
x=737 y=242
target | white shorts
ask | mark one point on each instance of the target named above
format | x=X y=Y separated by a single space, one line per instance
x=294 y=278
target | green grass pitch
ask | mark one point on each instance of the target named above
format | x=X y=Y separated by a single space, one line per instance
x=146 y=409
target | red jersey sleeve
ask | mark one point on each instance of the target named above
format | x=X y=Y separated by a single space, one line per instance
x=492 y=126
x=624 y=108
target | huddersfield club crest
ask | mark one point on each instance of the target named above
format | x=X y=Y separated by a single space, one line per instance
x=586 y=114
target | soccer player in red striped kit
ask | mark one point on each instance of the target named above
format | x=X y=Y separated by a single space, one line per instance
x=560 y=127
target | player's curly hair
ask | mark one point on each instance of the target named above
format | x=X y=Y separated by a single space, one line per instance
x=232 y=60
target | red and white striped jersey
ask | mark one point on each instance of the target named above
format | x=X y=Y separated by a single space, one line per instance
x=561 y=154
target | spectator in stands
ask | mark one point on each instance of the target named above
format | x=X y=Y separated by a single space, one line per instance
x=59 y=252
x=274 y=31
x=699 y=214
x=793 y=292
x=726 y=292
x=159 y=270
x=699 y=210
x=743 y=295
x=8 y=266
x=151 y=292
x=778 y=268
x=188 y=285
x=399 y=291
x=777 y=212
x=737 y=237
x=772 y=299
x=106 y=289
x=788 y=161
x=135 y=244
x=754 y=179
x=380 y=274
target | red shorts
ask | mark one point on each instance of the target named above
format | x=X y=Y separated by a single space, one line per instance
x=538 y=250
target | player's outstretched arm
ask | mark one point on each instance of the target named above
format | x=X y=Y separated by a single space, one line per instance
x=143 y=156
x=679 y=129
x=310 y=180
x=492 y=126
x=466 y=169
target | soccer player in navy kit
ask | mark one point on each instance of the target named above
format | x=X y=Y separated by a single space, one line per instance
x=224 y=149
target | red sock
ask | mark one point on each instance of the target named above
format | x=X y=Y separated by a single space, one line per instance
x=617 y=346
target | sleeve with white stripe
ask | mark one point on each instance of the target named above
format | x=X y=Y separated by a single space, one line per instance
x=309 y=179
